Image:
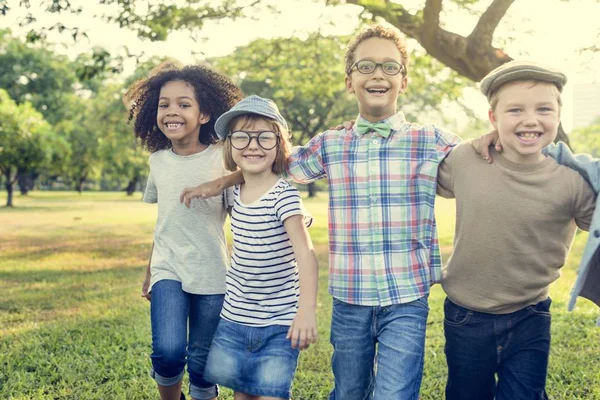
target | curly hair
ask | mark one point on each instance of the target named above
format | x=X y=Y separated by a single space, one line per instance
x=215 y=94
x=382 y=32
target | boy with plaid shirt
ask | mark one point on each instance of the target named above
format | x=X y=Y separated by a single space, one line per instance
x=383 y=246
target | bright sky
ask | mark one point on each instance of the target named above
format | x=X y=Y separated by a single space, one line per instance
x=548 y=31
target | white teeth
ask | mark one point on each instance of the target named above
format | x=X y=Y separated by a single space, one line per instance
x=174 y=125
x=377 y=90
x=529 y=135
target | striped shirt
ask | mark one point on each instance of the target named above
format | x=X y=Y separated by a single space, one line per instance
x=383 y=246
x=262 y=282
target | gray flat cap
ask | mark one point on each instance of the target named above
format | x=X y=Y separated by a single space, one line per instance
x=250 y=105
x=520 y=71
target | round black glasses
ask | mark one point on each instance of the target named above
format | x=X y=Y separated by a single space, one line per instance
x=367 y=67
x=265 y=139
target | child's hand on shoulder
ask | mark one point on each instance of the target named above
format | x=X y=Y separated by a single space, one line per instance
x=482 y=145
x=347 y=125
x=303 y=331
x=203 y=191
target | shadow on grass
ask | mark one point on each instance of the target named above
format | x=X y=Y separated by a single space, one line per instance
x=61 y=290
x=91 y=244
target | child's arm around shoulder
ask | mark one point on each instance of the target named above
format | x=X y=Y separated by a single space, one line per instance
x=305 y=164
x=586 y=165
x=445 y=140
x=212 y=188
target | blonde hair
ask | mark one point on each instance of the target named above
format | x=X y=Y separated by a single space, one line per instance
x=377 y=31
x=284 y=147
x=494 y=98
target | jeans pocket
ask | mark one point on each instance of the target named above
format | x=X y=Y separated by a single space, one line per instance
x=541 y=308
x=456 y=315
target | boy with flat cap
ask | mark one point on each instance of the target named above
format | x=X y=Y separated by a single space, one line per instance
x=515 y=221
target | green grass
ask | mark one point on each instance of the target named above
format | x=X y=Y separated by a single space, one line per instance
x=73 y=324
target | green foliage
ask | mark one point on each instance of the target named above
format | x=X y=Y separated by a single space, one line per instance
x=26 y=140
x=304 y=77
x=36 y=74
x=587 y=139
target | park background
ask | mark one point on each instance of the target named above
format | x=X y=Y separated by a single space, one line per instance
x=75 y=236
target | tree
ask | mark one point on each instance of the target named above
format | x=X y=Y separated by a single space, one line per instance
x=472 y=56
x=123 y=158
x=587 y=139
x=26 y=141
x=306 y=81
x=35 y=74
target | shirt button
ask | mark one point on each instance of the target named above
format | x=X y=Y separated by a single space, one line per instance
x=597 y=233
x=375 y=141
x=373 y=199
x=373 y=169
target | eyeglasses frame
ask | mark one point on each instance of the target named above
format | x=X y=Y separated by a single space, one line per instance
x=258 y=133
x=402 y=69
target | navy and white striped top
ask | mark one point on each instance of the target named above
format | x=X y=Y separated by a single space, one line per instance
x=262 y=282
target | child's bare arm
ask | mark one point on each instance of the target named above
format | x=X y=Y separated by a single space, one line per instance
x=303 y=331
x=146 y=284
x=210 y=189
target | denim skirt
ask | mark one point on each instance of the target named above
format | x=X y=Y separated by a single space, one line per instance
x=259 y=361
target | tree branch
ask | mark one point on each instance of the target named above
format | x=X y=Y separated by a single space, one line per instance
x=431 y=19
x=393 y=13
x=487 y=24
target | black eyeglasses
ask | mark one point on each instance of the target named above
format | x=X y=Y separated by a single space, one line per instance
x=265 y=139
x=367 y=67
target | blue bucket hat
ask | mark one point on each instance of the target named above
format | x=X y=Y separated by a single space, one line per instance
x=250 y=105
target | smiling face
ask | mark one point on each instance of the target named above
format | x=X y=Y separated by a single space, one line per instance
x=377 y=92
x=254 y=160
x=179 y=116
x=526 y=116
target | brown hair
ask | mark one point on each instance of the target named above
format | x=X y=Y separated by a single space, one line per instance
x=494 y=96
x=284 y=148
x=382 y=32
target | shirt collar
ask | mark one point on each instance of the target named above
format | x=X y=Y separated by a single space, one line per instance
x=395 y=121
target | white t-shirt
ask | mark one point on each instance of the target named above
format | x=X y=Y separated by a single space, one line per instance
x=262 y=282
x=189 y=243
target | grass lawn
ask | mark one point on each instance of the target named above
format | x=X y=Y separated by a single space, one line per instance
x=73 y=324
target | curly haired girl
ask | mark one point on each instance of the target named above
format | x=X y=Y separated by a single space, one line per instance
x=174 y=111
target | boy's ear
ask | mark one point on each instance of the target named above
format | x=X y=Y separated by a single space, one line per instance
x=403 y=84
x=349 y=86
x=203 y=118
x=493 y=119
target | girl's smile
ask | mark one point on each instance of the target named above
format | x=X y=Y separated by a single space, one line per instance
x=179 y=116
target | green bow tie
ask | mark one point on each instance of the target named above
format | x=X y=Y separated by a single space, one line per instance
x=381 y=128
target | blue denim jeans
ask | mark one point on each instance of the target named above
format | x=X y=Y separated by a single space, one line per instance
x=171 y=309
x=258 y=361
x=378 y=352
x=514 y=346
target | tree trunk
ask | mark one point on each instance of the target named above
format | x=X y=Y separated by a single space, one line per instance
x=9 y=188
x=132 y=185
x=26 y=181
x=79 y=185
x=312 y=190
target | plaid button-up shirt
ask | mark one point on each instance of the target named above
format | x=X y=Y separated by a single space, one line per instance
x=383 y=246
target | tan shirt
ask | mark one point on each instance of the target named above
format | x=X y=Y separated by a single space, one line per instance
x=514 y=226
